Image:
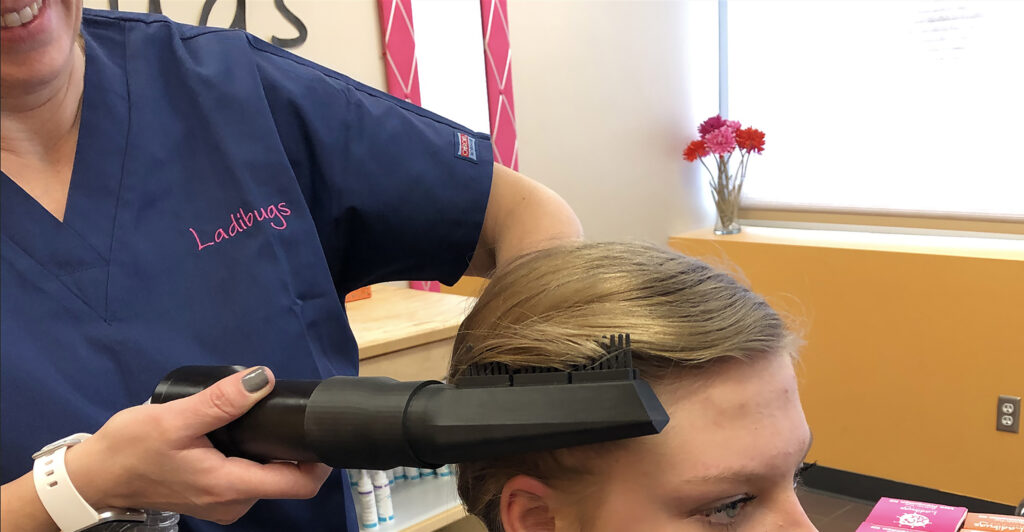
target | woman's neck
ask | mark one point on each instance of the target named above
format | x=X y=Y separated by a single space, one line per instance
x=38 y=122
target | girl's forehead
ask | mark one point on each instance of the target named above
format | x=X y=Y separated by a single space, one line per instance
x=741 y=416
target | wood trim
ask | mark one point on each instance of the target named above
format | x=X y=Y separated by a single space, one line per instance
x=949 y=223
x=437 y=521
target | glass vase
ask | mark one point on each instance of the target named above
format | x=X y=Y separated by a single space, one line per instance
x=731 y=229
x=726 y=214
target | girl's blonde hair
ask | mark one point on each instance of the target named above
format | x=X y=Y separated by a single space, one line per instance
x=551 y=307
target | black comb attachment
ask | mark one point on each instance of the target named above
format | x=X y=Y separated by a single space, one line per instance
x=496 y=374
x=535 y=375
x=617 y=365
x=489 y=375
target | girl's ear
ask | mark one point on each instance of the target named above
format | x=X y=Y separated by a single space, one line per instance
x=526 y=505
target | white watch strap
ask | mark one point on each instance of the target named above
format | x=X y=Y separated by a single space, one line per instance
x=60 y=498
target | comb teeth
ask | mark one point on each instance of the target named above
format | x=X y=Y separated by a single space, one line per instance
x=487 y=370
x=531 y=370
x=617 y=365
x=491 y=374
x=534 y=375
x=620 y=353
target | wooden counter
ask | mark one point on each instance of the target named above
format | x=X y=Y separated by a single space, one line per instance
x=397 y=318
x=406 y=334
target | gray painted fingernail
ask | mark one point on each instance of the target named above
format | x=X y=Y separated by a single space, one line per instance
x=256 y=380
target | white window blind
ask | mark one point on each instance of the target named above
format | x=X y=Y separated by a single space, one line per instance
x=882 y=106
x=450 y=55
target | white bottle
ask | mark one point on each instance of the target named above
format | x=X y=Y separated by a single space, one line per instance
x=391 y=476
x=426 y=472
x=382 y=494
x=366 y=501
x=444 y=471
x=399 y=473
x=353 y=476
x=412 y=473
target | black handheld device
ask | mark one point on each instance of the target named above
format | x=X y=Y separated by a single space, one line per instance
x=381 y=423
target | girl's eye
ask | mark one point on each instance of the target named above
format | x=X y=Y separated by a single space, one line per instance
x=726 y=513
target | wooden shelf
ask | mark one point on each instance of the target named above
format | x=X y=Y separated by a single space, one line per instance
x=397 y=318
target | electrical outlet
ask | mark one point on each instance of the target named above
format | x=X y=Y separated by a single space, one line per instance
x=1008 y=414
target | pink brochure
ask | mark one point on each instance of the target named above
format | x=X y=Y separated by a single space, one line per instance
x=900 y=515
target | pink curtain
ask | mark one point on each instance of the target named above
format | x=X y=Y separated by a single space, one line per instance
x=498 y=65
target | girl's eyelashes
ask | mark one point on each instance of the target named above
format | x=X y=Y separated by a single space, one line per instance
x=725 y=514
x=798 y=476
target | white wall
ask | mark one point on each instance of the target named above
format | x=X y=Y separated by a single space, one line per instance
x=607 y=92
x=605 y=103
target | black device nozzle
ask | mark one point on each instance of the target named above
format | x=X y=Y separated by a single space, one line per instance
x=380 y=423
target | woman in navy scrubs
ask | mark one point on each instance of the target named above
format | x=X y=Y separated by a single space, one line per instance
x=177 y=195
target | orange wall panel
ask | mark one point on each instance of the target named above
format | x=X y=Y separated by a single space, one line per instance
x=905 y=355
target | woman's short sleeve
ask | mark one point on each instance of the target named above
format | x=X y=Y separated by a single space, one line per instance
x=396 y=192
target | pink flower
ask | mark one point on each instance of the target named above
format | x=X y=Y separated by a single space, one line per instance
x=734 y=125
x=721 y=141
x=710 y=125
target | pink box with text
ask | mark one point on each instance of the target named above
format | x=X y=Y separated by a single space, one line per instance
x=898 y=515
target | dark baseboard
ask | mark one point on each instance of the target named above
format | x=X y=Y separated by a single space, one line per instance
x=871 y=489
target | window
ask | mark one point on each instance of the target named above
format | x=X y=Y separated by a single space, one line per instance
x=881 y=107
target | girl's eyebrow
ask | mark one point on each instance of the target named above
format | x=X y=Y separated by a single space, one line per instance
x=745 y=475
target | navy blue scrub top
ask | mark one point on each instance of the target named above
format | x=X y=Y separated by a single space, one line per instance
x=225 y=196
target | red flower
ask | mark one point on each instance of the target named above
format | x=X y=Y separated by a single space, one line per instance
x=696 y=150
x=750 y=140
x=710 y=125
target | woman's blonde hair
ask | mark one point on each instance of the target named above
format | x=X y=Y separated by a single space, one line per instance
x=551 y=307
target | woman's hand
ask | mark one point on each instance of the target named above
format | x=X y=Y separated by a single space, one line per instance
x=158 y=457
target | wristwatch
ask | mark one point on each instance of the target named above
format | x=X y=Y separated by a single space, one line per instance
x=60 y=498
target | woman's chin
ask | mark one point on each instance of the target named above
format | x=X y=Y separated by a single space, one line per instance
x=28 y=68
x=44 y=67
